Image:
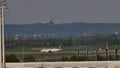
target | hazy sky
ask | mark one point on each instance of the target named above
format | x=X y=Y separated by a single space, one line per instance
x=36 y=11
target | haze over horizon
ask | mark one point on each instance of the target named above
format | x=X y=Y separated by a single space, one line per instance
x=63 y=11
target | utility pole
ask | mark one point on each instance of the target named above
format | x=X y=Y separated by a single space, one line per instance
x=2 y=47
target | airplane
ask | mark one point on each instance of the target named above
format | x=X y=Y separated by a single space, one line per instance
x=51 y=21
x=49 y=50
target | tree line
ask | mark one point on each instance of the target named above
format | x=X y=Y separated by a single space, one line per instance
x=87 y=40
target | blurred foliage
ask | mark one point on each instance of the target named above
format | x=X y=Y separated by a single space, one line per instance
x=11 y=58
x=98 y=39
x=29 y=58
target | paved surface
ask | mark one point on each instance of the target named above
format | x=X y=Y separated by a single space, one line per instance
x=89 y=64
x=110 y=51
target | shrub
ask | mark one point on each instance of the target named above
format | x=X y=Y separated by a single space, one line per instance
x=29 y=58
x=11 y=58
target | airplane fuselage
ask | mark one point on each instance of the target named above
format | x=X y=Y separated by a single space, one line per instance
x=46 y=50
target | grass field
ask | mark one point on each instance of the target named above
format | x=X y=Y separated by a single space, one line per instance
x=66 y=52
x=71 y=48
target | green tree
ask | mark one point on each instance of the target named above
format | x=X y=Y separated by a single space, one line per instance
x=81 y=58
x=74 y=58
x=29 y=58
x=101 y=58
x=63 y=58
x=11 y=58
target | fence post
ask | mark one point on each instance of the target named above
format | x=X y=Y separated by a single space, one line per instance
x=78 y=53
x=107 y=55
x=96 y=55
x=116 y=54
x=86 y=54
